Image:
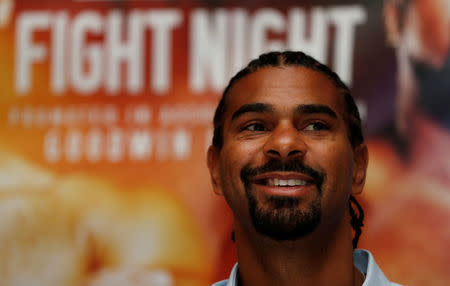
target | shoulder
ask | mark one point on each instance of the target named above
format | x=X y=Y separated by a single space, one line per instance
x=365 y=262
x=220 y=283
x=232 y=280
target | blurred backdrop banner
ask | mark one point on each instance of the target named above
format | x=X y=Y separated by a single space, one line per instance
x=106 y=113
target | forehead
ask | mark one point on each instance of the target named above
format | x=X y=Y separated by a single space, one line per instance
x=285 y=87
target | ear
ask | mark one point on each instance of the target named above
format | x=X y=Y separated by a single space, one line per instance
x=360 y=161
x=213 y=166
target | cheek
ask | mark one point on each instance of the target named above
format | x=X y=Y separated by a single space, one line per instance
x=233 y=159
x=336 y=161
x=241 y=153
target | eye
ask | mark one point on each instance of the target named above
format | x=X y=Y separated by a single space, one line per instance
x=254 y=127
x=316 y=126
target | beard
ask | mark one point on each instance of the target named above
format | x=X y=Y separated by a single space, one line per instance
x=283 y=220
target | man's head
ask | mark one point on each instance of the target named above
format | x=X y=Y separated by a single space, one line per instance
x=288 y=148
x=288 y=58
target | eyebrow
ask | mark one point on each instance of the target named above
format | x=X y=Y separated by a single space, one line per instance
x=253 y=107
x=302 y=109
x=316 y=108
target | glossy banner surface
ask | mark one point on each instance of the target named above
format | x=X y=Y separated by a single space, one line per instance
x=106 y=114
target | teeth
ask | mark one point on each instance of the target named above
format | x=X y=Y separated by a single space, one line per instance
x=291 y=182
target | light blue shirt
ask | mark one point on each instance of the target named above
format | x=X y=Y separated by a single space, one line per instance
x=362 y=259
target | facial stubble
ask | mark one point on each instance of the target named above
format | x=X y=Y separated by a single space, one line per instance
x=283 y=218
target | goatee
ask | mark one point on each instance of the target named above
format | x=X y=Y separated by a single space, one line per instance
x=283 y=220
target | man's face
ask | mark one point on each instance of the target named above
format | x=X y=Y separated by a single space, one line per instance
x=286 y=165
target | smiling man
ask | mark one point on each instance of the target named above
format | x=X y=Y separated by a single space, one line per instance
x=288 y=155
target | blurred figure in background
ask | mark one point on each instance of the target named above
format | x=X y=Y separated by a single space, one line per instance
x=410 y=206
x=420 y=32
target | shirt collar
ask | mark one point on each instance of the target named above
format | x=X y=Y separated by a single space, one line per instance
x=362 y=259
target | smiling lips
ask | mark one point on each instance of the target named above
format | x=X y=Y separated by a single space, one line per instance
x=275 y=182
x=284 y=183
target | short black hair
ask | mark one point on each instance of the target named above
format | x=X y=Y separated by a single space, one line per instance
x=351 y=115
x=291 y=58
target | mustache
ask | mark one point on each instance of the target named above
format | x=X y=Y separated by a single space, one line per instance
x=274 y=165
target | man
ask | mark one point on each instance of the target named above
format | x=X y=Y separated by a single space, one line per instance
x=288 y=156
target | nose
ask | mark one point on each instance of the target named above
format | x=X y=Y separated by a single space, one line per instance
x=285 y=142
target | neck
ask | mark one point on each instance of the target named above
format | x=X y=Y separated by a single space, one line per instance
x=321 y=258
